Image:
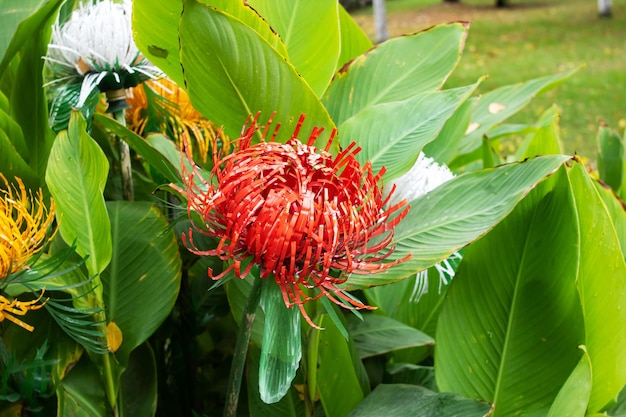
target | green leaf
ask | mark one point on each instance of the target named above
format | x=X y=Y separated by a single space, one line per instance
x=489 y=156
x=335 y=371
x=619 y=409
x=250 y=17
x=396 y=70
x=167 y=149
x=602 y=291
x=408 y=373
x=457 y=213
x=9 y=19
x=14 y=132
x=354 y=41
x=399 y=400
x=142 y=282
x=29 y=106
x=545 y=139
x=80 y=392
x=143 y=147
x=417 y=301
x=617 y=211
x=155 y=30
x=313 y=45
x=76 y=176
x=336 y=316
x=289 y=406
x=611 y=157
x=377 y=334
x=498 y=105
x=139 y=384
x=511 y=323
x=389 y=134
x=573 y=398
x=281 y=350
x=443 y=148
x=13 y=165
x=229 y=63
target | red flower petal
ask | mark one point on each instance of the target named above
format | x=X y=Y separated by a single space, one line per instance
x=306 y=218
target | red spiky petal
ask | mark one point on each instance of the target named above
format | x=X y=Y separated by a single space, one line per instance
x=306 y=218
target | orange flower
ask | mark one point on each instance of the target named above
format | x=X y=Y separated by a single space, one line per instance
x=305 y=217
x=175 y=115
x=24 y=223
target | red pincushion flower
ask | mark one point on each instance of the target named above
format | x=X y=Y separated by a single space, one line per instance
x=304 y=216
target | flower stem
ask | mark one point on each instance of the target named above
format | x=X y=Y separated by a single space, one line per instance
x=108 y=374
x=241 y=349
x=110 y=384
x=125 y=164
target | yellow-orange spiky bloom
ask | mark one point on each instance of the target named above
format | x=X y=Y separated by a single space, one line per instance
x=177 y=116
x=24 y=223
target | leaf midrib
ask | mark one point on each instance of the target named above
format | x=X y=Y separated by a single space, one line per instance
x=512 y=312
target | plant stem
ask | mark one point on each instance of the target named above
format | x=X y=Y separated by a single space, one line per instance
x=241 y=349
x=125 y=165
x=110 y=384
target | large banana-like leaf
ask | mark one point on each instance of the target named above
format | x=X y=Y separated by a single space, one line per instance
x=511 y=323
x=80 y=393
x=573 y=398
x=611 y=157
x=232 y=72
x=602 y=289
x=76 y=176
x=377 y=334
x=250 y=17
x=142 y=282
x=139 y=384
x=393 y=134
x=498 y=105
x=313 y=44
x=396 y=70
x=354 y=41
x=15 y=32
x=443 y=148
x=13 y=165
x=29 y=105
x=400 y=400
x=457 y=213
x=14 y=132
x=617 y=212
x=156 y=30
x=10 y=18
x=331 y=358
x=416 y=301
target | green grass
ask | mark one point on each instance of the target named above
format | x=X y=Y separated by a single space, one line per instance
x=531 y=39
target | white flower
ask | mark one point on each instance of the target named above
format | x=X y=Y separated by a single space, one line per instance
x=95 y=49
x=425 y=176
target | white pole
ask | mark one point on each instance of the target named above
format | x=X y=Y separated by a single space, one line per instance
x=604 y=8
x=380 y=20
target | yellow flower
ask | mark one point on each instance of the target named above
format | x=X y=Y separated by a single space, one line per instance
x=24 y=222
x=176 y=115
